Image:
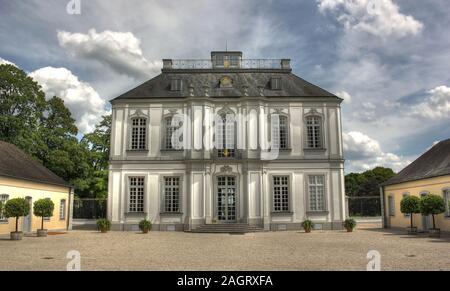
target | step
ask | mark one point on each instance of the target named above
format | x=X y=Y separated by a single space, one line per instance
x=227 y=228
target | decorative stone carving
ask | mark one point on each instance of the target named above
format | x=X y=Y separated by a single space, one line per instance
x=245 y=89
x=206 y=90
x=226 y=169
x=261 y=90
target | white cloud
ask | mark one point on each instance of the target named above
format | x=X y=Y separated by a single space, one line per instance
x=121 y=51
x=83 y=101
x=5 y=62
x=344 y=95
x=363 y=153
x=434 y=106
x=377 y=17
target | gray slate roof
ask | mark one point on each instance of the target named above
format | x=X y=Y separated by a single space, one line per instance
x=14 y=163
x=435 y=162
x=159 y=87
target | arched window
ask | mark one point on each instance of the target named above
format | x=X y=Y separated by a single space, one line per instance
x=3 y=199
x=314 y=132
x=225 y=136
x=138 y=133
x=169 y=130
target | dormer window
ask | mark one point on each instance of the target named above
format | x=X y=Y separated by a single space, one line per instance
x=275 y=83
x=176 y=84
x=226 y=59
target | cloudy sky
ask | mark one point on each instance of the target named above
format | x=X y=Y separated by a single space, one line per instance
x=389 y=59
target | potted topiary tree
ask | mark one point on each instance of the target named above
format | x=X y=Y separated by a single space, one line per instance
x=410 y=205
x=432 y=205
x=145 y=226
x=307 y=225
x=349 y=224
x=43 y=208
x=17 y=208
x=104 y=225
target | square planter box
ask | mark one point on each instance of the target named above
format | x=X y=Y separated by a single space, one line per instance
x=434 y=232
x=16 y=235
x=412 y=230
x=41 y=232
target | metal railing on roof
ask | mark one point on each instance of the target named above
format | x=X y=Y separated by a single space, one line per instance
x=192 y=64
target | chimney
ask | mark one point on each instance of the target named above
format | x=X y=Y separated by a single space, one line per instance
x=286 y=64
x=167 y=64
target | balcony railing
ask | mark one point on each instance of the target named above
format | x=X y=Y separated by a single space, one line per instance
x=191 y=64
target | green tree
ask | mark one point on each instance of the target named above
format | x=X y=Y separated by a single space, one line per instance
x=432 y=205
x=64 y=155
x=368 y=182
x=17 y=208
x=47 y=131
x=43 y=208
x=21 y=109
x=410 y=205
x=98 y=144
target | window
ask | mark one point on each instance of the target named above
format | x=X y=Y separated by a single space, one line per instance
x=314 y=132
x=282 y=139
x=138 y=134
x=3 y=199
x=172 y=194
x=406 y=214
x=447 y=201
x=176 y=85
x=283 y=132
x=136 y=196
x=62 y=209
x=219 y=61
x=391 y=206
x=316 y=191
x=170 y=129
x=275 y=83
x=234 y=60
x=225 y=136
x=281 y=193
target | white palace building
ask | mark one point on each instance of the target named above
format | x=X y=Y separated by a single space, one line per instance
x=226 y=142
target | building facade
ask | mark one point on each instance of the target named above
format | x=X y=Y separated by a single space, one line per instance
x=429 y=174
x=226 y=140
x=23 y=177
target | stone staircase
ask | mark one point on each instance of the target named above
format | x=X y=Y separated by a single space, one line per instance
x=237 y=228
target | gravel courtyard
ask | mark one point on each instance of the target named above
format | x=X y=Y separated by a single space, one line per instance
x=290 y=250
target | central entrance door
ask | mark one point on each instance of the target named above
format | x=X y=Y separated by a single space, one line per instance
x=226 y=199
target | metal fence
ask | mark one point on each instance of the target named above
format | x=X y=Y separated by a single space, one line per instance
x=243 y=64
x=364 y=206
x=89 y=208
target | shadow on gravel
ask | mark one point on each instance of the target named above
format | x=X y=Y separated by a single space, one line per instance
x=445 y=237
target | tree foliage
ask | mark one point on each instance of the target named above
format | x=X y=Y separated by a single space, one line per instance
x=16 y=207
x=410 y=205
x=46 y=130
x=43 y=208
x=368 y=182
x=432 y=205
x=22 y=104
